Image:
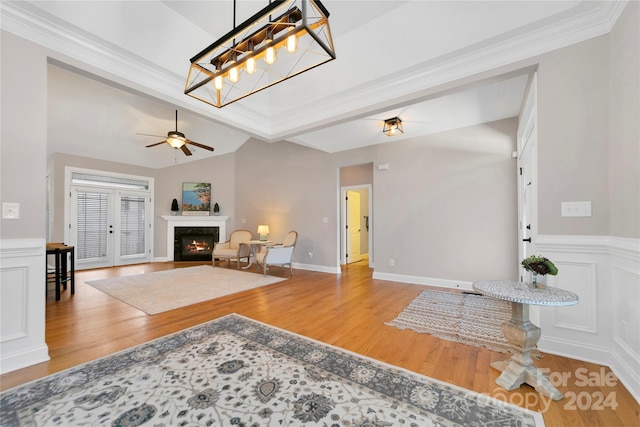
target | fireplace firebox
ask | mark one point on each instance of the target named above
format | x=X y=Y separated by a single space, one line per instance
x=194 y=243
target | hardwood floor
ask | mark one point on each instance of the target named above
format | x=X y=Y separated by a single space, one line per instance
x=347 y=311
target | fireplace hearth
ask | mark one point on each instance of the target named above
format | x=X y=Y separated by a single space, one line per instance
x=194 y=243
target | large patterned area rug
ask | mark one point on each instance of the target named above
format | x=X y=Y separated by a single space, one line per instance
x=237 y=371
x=167 y=290
x=466 y=318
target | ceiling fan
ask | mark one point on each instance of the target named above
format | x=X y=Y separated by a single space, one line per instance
x=178 y=140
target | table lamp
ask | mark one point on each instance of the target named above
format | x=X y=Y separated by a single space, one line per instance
x=263 y=230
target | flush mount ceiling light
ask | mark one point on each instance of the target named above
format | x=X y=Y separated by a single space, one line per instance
x=393 y=127
x=282 y=40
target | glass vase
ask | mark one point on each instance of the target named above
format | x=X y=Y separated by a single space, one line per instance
x=538 y=280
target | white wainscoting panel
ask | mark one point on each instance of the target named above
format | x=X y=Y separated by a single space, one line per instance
x=604 y=271
x=625 y=281
x=13 y=288
x=579 y=278
x=22 y=292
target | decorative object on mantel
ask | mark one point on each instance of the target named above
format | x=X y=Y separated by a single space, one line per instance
x=539 y=267
x=174 y=207
x=216 y=209
x=196 y=198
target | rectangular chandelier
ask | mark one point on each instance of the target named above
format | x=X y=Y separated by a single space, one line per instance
x=282 y=40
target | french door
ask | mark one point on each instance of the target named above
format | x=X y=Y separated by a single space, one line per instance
x=109 y=227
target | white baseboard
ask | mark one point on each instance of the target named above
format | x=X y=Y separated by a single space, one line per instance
x=23 y=359
x=626 y=365
x=318 y=268
x=427 y=281
x=575 y=350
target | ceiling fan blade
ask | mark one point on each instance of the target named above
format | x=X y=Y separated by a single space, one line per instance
x=148 y=134
x=185 y=150
x=197 y=144
x=157 y=143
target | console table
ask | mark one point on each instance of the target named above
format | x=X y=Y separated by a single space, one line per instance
x=522 y=334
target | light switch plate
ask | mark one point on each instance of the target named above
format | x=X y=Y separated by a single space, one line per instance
x=10 y=210
x=573 y=209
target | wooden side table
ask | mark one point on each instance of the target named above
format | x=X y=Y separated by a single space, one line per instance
x=60 y=251
x=254 y=246
x=522 y=334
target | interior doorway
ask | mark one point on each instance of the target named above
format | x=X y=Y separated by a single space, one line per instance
x=356 y=214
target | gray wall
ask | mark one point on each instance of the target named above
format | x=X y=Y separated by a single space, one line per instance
x=451 y=193
x=23 y=136
x=624 y=125
x=573 y=118
x=447 y=206
x=290 y=187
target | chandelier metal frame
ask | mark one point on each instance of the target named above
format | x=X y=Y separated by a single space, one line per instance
x=284 y=39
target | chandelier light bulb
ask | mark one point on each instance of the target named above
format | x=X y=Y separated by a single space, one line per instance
x=217 y=83
x=250 y=66
x=270 y=55
x=234 y=75
x=292 y=43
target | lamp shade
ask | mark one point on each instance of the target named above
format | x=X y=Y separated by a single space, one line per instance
x=286 y=38
x=263 y=230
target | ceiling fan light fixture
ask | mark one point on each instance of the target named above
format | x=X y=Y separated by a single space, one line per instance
x=299 y=26
x=393 y=126
x=176 y=140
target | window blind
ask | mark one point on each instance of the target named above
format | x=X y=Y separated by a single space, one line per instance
x=132 y=225
x=92 y=225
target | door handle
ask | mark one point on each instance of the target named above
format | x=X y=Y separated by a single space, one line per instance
x=527 y=240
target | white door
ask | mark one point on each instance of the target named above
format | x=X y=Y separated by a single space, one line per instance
x=109 y=227
x=353 y=227
x=527 y=178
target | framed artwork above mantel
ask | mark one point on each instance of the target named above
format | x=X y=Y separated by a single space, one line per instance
x=196 y=198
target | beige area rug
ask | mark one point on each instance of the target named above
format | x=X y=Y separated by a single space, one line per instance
x=162 y=291
x=465 y=318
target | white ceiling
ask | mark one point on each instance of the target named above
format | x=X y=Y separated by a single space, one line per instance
x=120 y=69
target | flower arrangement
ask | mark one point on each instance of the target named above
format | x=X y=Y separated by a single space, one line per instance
x=539 y=265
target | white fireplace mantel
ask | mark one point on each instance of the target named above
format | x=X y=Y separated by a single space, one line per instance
x=193 y=221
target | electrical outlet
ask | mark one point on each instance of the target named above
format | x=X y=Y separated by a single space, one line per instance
x=310 y=254
x=392 y=262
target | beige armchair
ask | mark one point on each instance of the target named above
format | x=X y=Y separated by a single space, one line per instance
x=279 y=254
x=234 y=249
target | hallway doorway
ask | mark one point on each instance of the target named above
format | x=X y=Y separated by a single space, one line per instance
x=356 y=214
